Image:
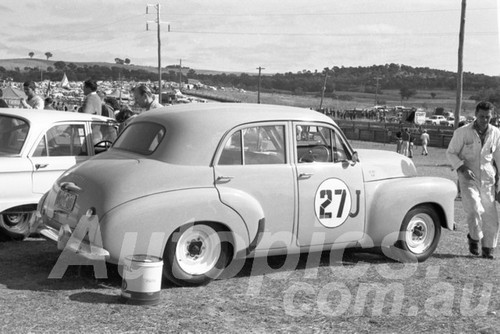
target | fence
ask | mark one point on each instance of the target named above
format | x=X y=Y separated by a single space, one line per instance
x=380 y=132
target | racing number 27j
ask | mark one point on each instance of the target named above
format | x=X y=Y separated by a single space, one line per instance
x=327 y=194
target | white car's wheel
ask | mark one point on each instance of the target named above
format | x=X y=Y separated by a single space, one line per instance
x=15 y=225
x=420 y=232
x=195 y=255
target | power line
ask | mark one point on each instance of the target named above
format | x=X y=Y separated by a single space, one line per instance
x=332 y=34
x=267 y=14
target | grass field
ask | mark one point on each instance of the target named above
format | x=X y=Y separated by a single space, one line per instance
x=444 y=99
x=452 y=292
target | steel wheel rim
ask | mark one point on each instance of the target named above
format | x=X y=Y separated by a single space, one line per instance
x=198 y=249
x=420 y=233
x=15 y=219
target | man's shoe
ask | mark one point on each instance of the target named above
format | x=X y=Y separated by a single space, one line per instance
x=488 y=253
x=473 y=245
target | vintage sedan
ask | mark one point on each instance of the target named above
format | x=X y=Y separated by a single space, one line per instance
x=36 y=147
x=203 y=185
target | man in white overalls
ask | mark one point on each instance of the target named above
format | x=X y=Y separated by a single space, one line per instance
x=473 y=152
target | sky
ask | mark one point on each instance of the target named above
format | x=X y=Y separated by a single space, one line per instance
x=239 y=35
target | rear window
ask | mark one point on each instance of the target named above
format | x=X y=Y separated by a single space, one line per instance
x=142 y=138
x=13 y=133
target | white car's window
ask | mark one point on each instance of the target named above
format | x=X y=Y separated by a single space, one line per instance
x=254 y=146
x=142 y=138
x=320 y=144
x=103 y=132
x=63 y=140
x=13 y=132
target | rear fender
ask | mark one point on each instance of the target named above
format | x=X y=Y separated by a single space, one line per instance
x=143 y=226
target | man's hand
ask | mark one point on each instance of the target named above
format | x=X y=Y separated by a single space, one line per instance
x=467 y=172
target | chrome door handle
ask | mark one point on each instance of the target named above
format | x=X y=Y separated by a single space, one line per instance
x=305 y=175
x=224 y=179
x=38 y=166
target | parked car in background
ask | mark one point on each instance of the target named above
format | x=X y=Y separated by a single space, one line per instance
x=36 y=147
x=201 y=185
x=450 y=121
x=435 y=120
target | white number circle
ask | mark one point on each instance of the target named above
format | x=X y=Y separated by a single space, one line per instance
x=332 y=203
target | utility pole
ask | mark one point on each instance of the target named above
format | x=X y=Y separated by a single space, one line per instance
x=376 y=90
x=323 y=90
x=157 y=7
x=258 y=92
x=460 y=65
x=180 y=74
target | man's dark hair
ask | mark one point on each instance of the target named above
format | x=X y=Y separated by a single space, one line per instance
x=484 y=105
x=29 y=84
x=91 y=84
x=143 y=90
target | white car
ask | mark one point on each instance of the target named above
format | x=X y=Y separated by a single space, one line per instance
x=435 y=120
x=201 y=185
x=450 y=120
x=36 y=147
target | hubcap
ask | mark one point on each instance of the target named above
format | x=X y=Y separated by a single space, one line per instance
x=420 y=233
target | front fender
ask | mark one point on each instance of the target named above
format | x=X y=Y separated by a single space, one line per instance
x=388 y=201
x=143 y=226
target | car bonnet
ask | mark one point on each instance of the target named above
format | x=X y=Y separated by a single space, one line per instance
x=380 y=165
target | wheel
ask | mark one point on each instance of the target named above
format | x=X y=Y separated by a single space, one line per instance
x=15 y=226
x=195 y=255
x=318 y=153
x=420 y=233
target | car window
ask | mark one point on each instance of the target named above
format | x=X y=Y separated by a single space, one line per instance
x=142 y=138
x=254 y=146
x=320 y=144
x=13 y=133
x=63 y=140
x=103 y=132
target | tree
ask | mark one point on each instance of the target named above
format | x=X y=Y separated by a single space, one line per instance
x=127 y=61
x=407 y=92
x=31 y=54
x=60 y=65
x=119 y=61
x=433 y=95
x=48 y=55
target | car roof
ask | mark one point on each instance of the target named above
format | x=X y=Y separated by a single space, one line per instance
x=195 y=130
x=36 y=116
x=229 y=115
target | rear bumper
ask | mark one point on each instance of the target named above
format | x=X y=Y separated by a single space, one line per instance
x=74 y=241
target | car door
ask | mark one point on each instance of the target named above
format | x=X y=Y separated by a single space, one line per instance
x=252 y=169
x=59 y=148
x=330 y=186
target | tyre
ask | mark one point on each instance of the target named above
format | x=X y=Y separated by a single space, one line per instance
x=420 y=233
x=15 y=226
x=195 y=255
